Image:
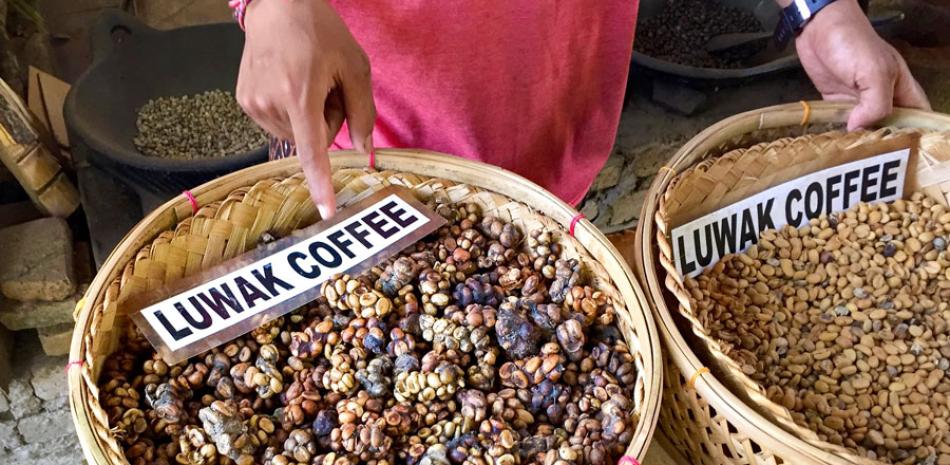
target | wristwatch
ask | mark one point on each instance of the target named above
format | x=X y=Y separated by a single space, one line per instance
x=794 y=17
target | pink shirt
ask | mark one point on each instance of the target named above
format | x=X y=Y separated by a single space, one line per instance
x=534 y=86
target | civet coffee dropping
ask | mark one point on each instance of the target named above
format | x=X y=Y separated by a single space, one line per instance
x=233 y=298
x=475 y=345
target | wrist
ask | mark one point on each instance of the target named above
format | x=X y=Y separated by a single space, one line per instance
x=264 y=14
x=838 y=13
x=239 y=8
x=785 y=3
x=798 y=15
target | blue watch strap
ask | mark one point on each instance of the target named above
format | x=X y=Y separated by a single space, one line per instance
x=794 y=17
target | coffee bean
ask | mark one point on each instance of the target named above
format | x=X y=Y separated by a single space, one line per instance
x=679 y=34
x=209 y=124
x=861 y=326
x=939 y=244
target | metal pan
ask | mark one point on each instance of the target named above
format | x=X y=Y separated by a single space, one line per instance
x=767 y=13
x=132 y=64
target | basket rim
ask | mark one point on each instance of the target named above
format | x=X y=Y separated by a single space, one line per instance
x=649 y=271
x=442 y=166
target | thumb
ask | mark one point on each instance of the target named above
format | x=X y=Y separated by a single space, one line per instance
x=875 y=102
x=310 y=135
x=907 y=91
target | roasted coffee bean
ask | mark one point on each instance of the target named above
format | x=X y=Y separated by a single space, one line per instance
x=680 y=31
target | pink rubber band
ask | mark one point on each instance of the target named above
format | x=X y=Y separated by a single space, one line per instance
x=574 y=221
x=628 y=460
x=372 y=159
x=191 y=200
x=74 y=363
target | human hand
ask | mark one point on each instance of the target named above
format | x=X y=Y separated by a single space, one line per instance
x=848 y=61
x=302 y=74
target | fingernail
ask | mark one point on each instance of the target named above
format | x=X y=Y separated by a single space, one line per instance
x=368 y=144
x=326 y=212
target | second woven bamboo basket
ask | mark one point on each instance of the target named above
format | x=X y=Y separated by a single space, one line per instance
x=725 y=421
x=172 y=242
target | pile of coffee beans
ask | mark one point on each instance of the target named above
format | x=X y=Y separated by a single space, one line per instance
x=844 y=323
x=680 y=32
x=209 y=124
x=475 y=346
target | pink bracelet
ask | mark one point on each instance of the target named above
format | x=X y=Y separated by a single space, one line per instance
x=240 y=8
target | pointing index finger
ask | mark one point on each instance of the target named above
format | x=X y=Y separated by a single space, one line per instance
x=310 y=135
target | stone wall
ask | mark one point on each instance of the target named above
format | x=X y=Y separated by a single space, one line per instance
x=35 y=424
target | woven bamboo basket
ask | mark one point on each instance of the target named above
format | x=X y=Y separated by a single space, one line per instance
x=236 y=209
x=717 y=415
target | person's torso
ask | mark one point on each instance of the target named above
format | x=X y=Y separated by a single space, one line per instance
x=534 y=86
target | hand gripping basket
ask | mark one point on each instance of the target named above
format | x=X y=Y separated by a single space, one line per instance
x=718 y=415
x=236 y=209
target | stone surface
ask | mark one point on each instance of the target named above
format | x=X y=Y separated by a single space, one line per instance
x=23 y=402
x=62 y=452
x=9 y=436
x=36 y=261
x=38 y=429
x=648 y=160
x=56 y=339
x=590 y=210
x=46 y=426
x=58 y=403
x=48 y=378
x=18 y=315
x=4 y=403
x=627 y=208
x=679 y=98
x=609 y=175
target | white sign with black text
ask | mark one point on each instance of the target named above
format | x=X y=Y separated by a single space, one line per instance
x=733 y=229
x=282 y=276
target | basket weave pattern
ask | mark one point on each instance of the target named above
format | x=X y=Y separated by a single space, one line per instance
x=235 y=218
x=718 y=181
x=695 y=437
